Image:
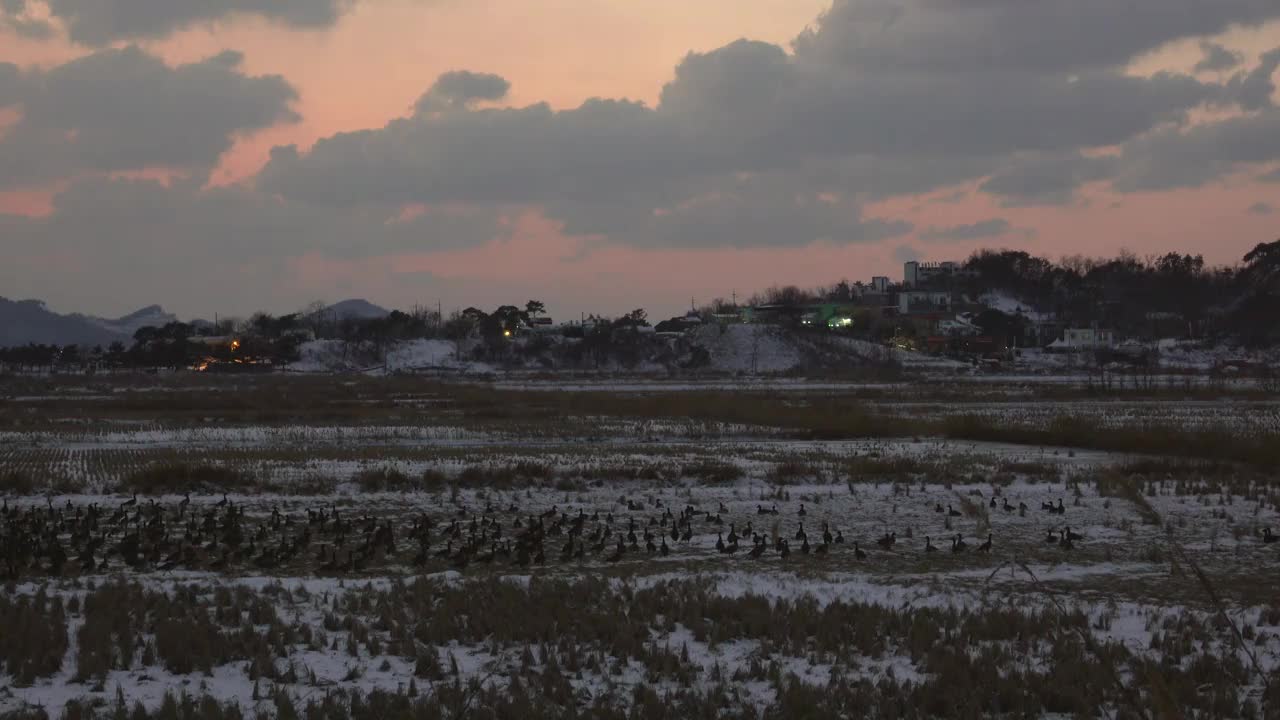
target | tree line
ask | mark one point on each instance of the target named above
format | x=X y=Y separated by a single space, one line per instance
x=1169 y=295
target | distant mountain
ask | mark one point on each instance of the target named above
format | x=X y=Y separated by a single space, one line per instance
x=356 y=308
x=29 y=321
x=152 y=315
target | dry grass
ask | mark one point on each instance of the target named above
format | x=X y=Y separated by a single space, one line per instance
x=993 y=660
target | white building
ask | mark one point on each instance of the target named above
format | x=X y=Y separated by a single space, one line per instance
x=922 y=301
x=1086 y=339
x=916 y=273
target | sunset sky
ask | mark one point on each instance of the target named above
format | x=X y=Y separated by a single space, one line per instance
x=600 y=155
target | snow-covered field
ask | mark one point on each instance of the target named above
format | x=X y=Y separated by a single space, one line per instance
x=327 y=625
x=470 y=560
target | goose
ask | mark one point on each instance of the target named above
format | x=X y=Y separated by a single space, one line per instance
x=888 y=540
x=952 y=512
x=858 y=552
x=617 y=553
x=447 y=551
x=1073 y=536
x=1268 y=537
x=802 y=512
x=993 y=501
x=1065 y=543
x=986 y=546
x=800 y=534
x=928 y=545
x=839 y=537
x=958 y=545
x=1051 y=538
x=784 y=549
x=938 y=508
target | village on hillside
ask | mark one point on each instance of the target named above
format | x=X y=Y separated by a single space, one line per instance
x=998 y=310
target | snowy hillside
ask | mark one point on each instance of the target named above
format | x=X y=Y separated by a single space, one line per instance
x=747 y=348
x=338 y=356
x=1005 y=303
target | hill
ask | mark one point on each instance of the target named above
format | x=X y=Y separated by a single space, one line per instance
x=23 y=322
x=152 y=315
x=358 y=308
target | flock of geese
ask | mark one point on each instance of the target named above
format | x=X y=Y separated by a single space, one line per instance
x=146 y=535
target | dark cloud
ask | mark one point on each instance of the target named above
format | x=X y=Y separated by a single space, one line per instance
x=1036 y=36
x=124 y=109
x=1171 y=158
x=751 y=93
x=1254 y=90
x=750 y=109
x=460 y=88
x=11 y=85
x=1261 y=208
x=100 y=22
x=182 y=240
x=1217 y=58
x=1046 y=178
x=767 y=210
x=749 y=145
x=994 y=227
